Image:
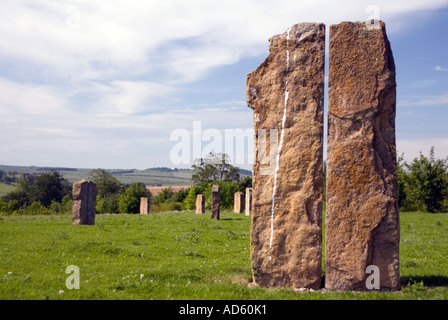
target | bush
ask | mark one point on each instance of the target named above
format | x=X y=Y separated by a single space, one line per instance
x=423 y=184
x=107 y=204
x=129 y=201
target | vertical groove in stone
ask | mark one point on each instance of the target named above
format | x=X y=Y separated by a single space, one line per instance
x=362 y=219
x=286 y=93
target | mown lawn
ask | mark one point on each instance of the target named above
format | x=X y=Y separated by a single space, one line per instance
x=182 y=256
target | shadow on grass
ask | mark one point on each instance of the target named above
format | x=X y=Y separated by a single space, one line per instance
x=428 y=281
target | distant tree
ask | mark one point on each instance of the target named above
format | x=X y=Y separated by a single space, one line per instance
x=245 y=183
x=423 y=184
x=163 y=195
x=43 y=188
x=106 y=183
x=129 y=201
x=214 y=167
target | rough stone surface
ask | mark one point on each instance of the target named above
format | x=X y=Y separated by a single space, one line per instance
x=238 y=202
x=286 y=93
x=362 y=220
x=200 y=203
x=84 y=202
x=144 y=205
x=248 y=202
x=216 y=201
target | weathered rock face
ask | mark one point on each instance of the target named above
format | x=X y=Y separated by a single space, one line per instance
x=216 y=201
x=286 y=93
x=238 y=202
x=362 y=220
x=200 y=203
x=144 y=205
x=84 y=202
x=248 y=202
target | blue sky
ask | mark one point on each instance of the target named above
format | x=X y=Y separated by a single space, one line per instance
x=104 y=84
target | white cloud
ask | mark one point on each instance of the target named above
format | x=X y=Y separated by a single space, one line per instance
x=440 y=68
x=423 y=100
x=30 y=99
x=86 y=83
x=412 y=148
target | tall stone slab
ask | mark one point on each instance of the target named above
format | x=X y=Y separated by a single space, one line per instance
x=362 y=219
x=216 y=201
x=144 y=205
x=248 y=202
x=84 y=202
x=238 y=202
x=286 y=94
x=200 y=203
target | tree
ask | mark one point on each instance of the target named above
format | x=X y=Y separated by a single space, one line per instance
x=424 y=183
x=214 y=167
x=129 y=201
x=43 y=188
x=106 y=183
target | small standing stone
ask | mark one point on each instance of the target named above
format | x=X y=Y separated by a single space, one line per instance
x=200 y=203
x=216 y=199
x=248 y=202
x=238 y=202
x=84 y=202
x=144 y=205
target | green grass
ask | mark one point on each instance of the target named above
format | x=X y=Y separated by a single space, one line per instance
x=182 y=256
x=5 y=188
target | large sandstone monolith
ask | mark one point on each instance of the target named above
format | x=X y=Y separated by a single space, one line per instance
x=144 y=205
x=286 y=94
x=362 y=220
x=248 y=202
x=200 y=203
x=216 y=201
x=238 y=202
x=84 y=202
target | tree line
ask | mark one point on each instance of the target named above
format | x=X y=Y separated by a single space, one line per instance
x=422 y=186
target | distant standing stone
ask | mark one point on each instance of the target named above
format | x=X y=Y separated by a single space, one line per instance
x=238 y=202
x=216 y=199
x=84 y=202
x=144 y=205
x=248 y=202
x=200 y=203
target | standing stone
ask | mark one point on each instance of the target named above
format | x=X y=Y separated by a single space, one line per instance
x=286 y=93
x=362 y=220
x=84 y=202
x=216 y=199
x=248 y=202
x=144 y=205
x=238 y=202
x=200 y=203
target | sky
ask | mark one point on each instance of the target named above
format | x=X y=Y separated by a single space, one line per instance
x=134 y=84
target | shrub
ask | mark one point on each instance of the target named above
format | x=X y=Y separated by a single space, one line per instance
x=129 y=201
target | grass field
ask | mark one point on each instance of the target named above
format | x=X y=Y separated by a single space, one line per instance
x=182 y=256
x=5 y=188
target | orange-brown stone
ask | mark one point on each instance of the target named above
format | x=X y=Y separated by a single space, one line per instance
x=286 y=94
x=362 y=219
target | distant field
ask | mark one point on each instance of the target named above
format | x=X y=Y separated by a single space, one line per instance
x=126 y=176
x=150 y=177
x=183 y=256
x=5 y=188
